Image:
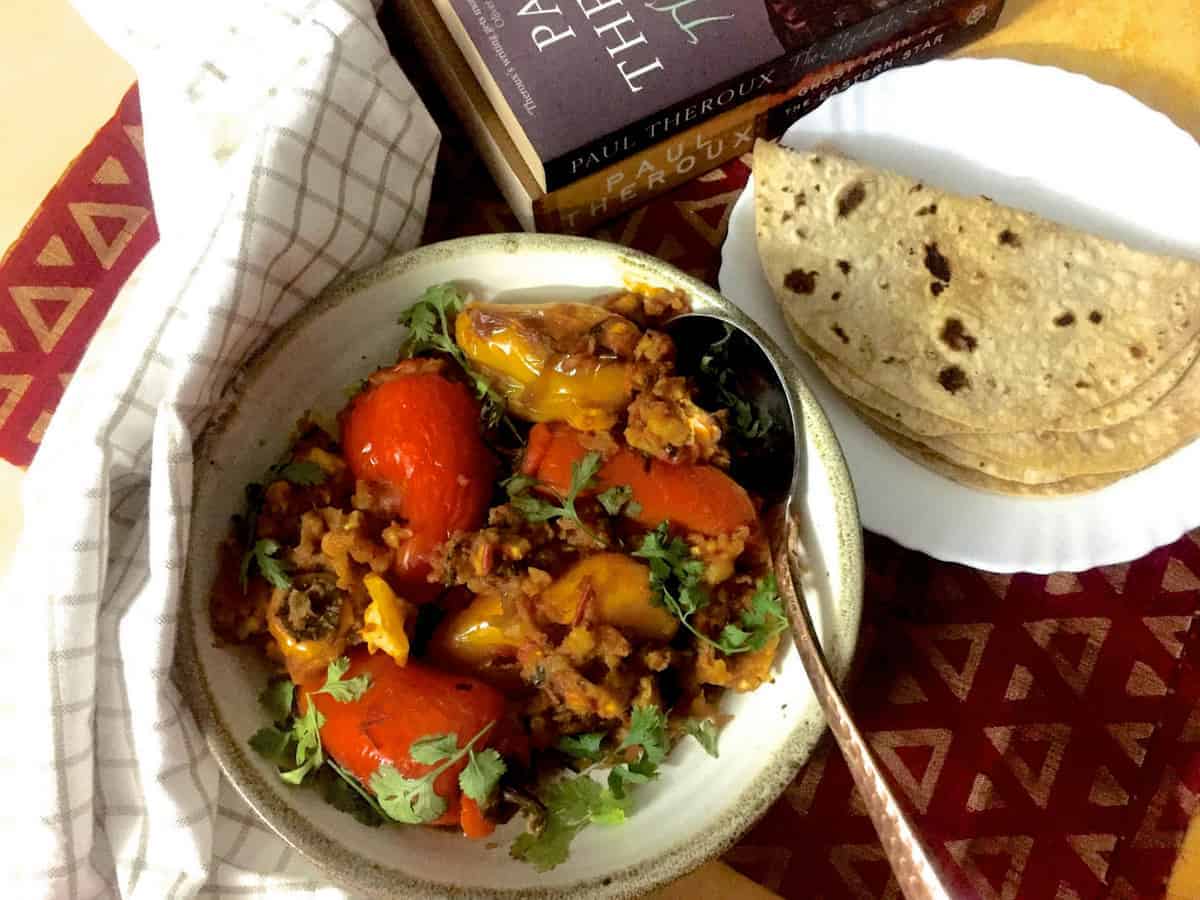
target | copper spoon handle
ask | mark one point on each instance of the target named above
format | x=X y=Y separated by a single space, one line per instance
x=907 y=855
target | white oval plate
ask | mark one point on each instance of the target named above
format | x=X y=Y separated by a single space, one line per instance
x=1040 y=139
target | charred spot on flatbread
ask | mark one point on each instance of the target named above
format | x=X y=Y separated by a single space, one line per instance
x=840 y=332
x=851 y=199
x=1009 y=238
x=953 y=379
x=1067 y=318
x=1095 y=317
x=955 y=336
x=936 y=288
x=936 y=263
x=799 y=281
x=927 y=210
x=844 y=265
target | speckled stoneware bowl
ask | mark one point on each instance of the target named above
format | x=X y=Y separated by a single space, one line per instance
x=700 y=805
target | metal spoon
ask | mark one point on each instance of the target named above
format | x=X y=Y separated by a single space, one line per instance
x=774 y=468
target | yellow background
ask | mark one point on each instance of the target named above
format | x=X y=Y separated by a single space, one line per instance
x=60 y=83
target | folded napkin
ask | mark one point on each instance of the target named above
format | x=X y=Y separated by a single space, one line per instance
x=285 y=149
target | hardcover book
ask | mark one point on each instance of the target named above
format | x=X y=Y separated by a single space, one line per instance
x=581 y=84
x=571 y=142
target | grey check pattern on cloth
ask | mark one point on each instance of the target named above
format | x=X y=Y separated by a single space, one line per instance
x=285 y=149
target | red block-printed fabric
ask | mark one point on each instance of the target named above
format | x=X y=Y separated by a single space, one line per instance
x=62 y=274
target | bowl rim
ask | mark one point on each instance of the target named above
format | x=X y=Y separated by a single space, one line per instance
x=336 y=859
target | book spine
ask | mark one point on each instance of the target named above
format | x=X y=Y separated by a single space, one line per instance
x=579 y=207
x=779 y=74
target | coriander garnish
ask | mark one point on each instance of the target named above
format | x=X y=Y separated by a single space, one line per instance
x=535 y=509
x=293 y=740
x=430 y=322
x=750 y=424
x=675 y=579
x=414 y=801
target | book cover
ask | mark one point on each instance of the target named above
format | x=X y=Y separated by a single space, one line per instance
x=582 y=84
x=586 y=202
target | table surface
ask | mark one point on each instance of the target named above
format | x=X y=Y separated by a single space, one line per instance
x=61 y=83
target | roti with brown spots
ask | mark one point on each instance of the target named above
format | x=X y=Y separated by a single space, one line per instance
x=987 y=317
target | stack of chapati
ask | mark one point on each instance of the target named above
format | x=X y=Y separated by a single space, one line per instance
x=1002 y=350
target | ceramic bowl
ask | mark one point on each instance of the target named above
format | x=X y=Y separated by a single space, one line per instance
x=700 y=805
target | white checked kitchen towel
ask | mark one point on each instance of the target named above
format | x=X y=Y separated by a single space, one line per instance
x=285 y=148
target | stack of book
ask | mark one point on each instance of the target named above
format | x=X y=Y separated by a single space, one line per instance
x=583 y=109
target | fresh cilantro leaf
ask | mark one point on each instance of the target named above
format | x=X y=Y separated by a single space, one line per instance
x=676 y=580
x=263 y=556
x=479 y=779
x=675 y=577
x=734 y=639
x=765 y=618
x=648 y=730
x=412 y=801
x=616 y=498
x=582 y=473
x=307 y=731
x=342 y=791
x=571 y=805
x=432 y=749
x=276 y=699
x=548 y=848
x=297 y=775
x=704 y=731
x=304 y=473
x=633 y=509
x=747 y=422
x=431 y=327
x=272 y=744
x=622 y=776
x=341 y=689
x=582 y=746
x=535 y=509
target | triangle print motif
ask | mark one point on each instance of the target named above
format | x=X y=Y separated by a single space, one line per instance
x=47 y=334
x=848 y=860
x=918 y=788
x=905 y=691
x=1106 y=790
x=108 y=251
x=1116 y=576
x=1130 y=736
x=1056 y=736
x=1167 y=814
x=958 y=678
x=709 y=217
x=983 y=795
x=55 y=253
x=1170 y=631
x=1062 y=583
x=134 y=133
x=111 y=172
x=1191 y=728
x=6 y=344
x=12 y=389
x=996 y=582
x=1092 y=850
x=1178 y=577
x=1144 y=682
x=1019 y=684
x=1094 y=630
x=993 y=885
x=800 y=793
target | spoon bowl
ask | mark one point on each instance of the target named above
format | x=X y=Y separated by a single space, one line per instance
x=729 y=361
